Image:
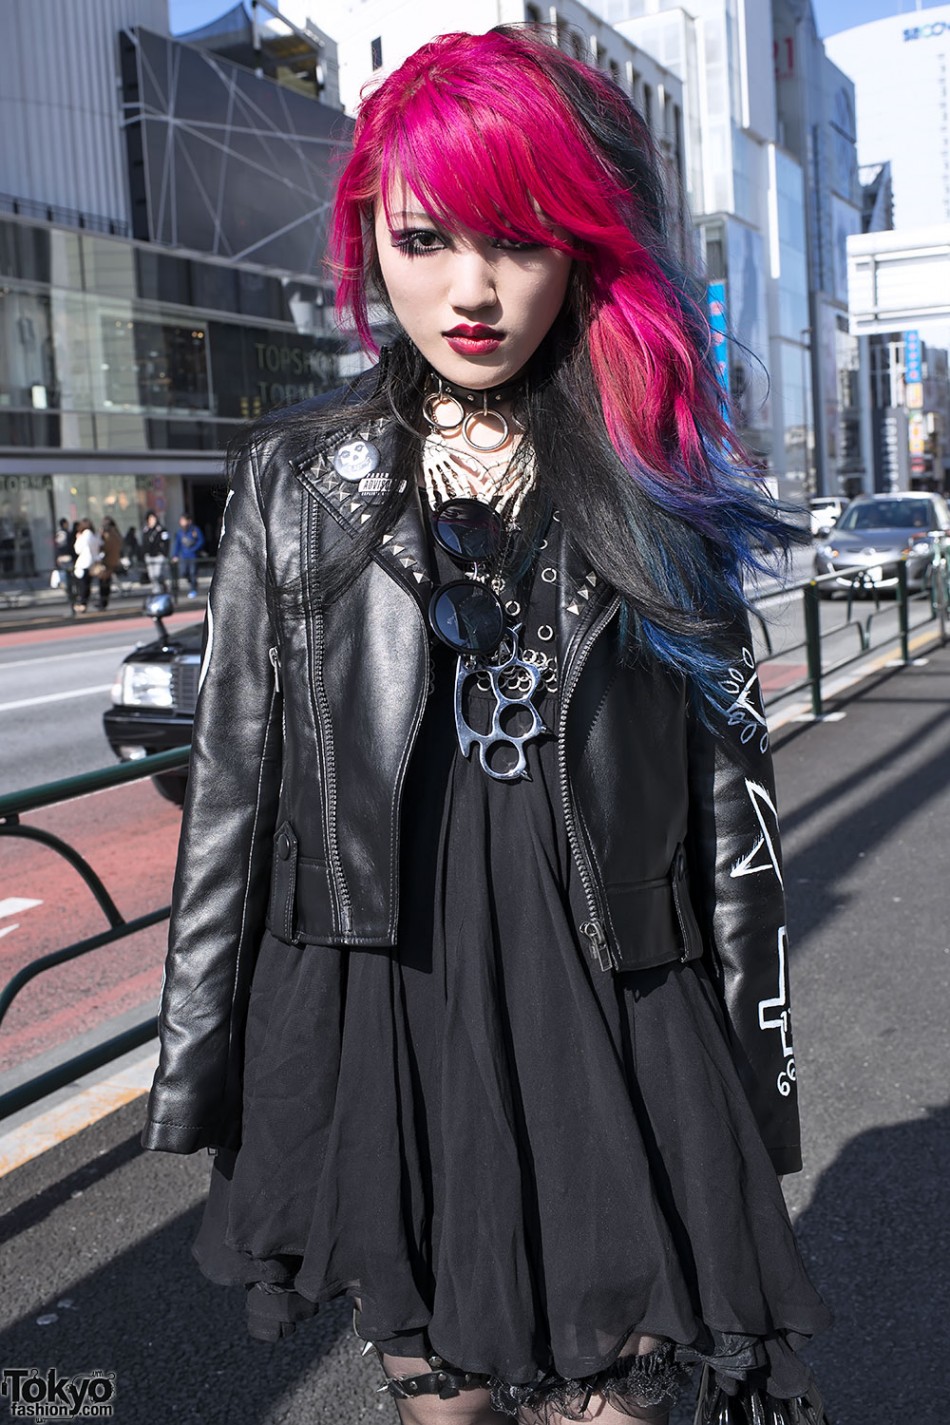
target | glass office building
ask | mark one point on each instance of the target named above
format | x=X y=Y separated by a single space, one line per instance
x=126 y=369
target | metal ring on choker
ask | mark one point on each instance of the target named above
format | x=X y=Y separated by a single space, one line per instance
x=436 y=397
x=485 y=415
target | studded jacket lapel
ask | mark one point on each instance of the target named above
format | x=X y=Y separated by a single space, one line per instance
x=347 y=475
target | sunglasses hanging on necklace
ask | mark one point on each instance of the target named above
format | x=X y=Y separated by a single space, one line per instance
x=468 y=616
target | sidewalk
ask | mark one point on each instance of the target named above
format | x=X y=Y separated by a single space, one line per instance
x=49 y=608
x=97 y=1234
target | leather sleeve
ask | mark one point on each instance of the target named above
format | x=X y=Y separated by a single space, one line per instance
x=222 y=875
x=736 y=865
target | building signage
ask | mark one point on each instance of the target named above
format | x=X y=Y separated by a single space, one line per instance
x=916 y=435
x=912 y=363
x=927 y=32
x=716 y=300
x=914 y=395
x=255 y=369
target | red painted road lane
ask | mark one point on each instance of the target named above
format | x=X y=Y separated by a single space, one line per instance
x=130 y=837
x=138 y=629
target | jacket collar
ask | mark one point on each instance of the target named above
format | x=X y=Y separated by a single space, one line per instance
x=350 y=497
x=404 y=551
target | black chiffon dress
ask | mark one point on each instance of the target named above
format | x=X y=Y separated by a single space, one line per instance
x=512 y=1158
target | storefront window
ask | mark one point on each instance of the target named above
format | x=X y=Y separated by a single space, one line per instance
x=27 y=369
x=26 y=525
x=92 y=497
x=155 y=365
x=25 y=251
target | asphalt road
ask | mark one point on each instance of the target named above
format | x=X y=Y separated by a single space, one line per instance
x=129 y=835
x=54 y=688
x=96 y=1234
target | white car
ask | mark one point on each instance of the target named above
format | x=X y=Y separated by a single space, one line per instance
x=824 y=511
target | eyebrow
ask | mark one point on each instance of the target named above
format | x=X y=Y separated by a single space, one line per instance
x=405 y=213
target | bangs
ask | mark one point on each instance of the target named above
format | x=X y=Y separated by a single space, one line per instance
x=487 y=176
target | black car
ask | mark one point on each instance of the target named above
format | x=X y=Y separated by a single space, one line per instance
x=154 y=697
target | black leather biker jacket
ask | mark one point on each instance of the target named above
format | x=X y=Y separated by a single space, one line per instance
x=306 y=720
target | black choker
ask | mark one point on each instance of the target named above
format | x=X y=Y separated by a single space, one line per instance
x=492 y=395
x=470 y=407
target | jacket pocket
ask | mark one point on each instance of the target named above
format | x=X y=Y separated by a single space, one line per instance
x=691 y=939
x=653 y=921
x=281 y=918
x=300 y=907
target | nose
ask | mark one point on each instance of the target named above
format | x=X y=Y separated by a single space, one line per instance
x=472 y=287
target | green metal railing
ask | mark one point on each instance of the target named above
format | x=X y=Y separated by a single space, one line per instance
x=12 y=807
x=934 y=599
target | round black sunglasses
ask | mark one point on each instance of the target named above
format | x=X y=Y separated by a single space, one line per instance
x=466 y=614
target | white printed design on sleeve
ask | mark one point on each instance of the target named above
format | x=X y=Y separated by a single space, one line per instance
x=776 y=1014
x=745 y=711
x=764 y=854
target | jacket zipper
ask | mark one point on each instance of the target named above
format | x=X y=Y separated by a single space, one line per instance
x=593 y=928
x=328 y=756
x=274 y=656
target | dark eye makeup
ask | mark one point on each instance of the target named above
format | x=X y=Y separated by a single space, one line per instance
x=418 y=242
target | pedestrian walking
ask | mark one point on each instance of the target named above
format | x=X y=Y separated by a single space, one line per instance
x=64 y=557
x=477 y=982
x=110 y=541
x=188 y=544
x=132 y=555
x=155 y=552
x=88 y=551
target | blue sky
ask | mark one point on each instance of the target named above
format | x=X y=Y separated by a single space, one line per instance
x=832 y=15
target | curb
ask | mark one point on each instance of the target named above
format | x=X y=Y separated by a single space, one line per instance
x=86 y=1102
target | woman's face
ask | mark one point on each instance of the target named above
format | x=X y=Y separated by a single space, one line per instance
x=476 y=307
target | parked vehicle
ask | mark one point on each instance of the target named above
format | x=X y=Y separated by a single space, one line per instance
x=874 y=534
x=154 y=697
x=824 y=511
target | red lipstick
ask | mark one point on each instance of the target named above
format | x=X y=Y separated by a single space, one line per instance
x=474 y=340
x=476 y=331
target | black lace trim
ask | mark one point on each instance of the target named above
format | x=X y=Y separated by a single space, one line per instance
x=630 y=1385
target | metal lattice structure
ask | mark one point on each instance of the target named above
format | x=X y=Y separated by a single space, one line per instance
x=223 y=161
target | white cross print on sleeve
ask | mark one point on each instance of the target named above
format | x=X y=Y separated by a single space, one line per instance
x=776 y=1014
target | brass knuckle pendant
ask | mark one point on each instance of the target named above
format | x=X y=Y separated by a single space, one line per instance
x=529 y=677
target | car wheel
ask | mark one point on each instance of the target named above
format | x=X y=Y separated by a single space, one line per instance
x=171 y=787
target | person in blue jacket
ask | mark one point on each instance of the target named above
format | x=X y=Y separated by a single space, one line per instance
x=189 y=542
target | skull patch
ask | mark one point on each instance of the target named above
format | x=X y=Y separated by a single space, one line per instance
x=355 y=460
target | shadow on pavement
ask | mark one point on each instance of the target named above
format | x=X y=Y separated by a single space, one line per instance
x=128 y=1299
x=877 y=1241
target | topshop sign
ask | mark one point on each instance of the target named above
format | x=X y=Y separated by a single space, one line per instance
x=927 y=32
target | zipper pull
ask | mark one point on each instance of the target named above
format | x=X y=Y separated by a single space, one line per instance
x=274 y=656
x=601 y=951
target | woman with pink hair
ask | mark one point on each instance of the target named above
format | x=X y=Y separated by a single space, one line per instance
x=477 y=986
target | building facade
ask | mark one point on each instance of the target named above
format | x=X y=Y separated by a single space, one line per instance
x=900 y=67
x=126 y=369
x=127 y=362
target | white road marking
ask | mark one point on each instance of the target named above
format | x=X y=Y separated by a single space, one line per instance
x=16 y=905
x=5 y=929
x=55 y=657
x=54 y=697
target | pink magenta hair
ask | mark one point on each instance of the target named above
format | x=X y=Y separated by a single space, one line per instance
x=486 y=138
